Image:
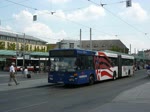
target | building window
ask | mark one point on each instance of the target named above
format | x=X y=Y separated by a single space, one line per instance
x=95 y=45
x=71 y=45
x=2 y=37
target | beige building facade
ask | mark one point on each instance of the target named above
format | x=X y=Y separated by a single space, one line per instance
x=14 y=41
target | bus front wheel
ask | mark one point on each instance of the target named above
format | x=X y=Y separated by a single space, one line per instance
x=91 y=80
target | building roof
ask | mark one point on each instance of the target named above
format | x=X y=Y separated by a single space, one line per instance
x=103 y=44
x=13 y=34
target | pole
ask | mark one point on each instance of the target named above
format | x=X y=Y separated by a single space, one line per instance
x=134 y=50
x=16 y=51
x=130 y=48
x=90 y=38
x=23 y=49
x=80 y=39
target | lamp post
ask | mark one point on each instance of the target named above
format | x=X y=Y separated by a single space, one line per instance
x=23 y=49
x=16 y=51
x=91 y=46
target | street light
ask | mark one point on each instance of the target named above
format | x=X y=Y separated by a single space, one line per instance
x=16 y=51
x=23 y=49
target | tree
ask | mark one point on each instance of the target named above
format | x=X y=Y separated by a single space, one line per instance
x=35 y=48
x=11 y=46
x=2 y=45
x=22 y=47
x=26 y=47
x=50 y=46
x=118 y=49
x=30 y=47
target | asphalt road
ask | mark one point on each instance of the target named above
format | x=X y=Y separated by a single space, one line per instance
x=58 y=98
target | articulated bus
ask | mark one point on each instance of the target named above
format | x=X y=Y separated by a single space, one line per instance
x=76 y=66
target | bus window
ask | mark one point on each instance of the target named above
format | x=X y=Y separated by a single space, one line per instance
x=79 y=63
x=84 y=62
x=62 y=64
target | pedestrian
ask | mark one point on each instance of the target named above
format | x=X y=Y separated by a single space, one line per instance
x=22 y=70
x=25 y=71
x=12 y=75
x=35 y=70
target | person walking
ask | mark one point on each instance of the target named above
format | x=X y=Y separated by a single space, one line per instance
x=12 y=75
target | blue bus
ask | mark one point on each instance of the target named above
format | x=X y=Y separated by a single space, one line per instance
x=76 y=66
x=71 y=66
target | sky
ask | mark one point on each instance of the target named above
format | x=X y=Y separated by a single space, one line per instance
x=63 y=19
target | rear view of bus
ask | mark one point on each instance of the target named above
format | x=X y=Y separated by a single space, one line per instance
x=71 y=66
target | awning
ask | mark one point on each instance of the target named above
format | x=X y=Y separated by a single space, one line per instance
x=2 y=59
x=7 y=53
x=39 y=54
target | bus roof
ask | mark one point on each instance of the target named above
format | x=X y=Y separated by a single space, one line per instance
x=114 y=54
x=70 y=52
x=102 y=53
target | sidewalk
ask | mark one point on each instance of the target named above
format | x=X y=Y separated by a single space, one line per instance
x=36 y=80
x=24 y=84
x=139 y=94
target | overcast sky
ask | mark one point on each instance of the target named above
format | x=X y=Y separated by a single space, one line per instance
x=63 y=19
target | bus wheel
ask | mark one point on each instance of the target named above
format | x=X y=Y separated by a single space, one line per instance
x=114 y=76
x=129 y=73
x=91 y=80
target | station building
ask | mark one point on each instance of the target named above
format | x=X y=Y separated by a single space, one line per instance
x=14 y=45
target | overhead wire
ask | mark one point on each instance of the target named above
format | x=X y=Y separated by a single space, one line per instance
x=13 y=3
x=102 y=5
x=52 y=13
x=21 y=4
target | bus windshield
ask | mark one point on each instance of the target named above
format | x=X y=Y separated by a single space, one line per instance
x=63 y=64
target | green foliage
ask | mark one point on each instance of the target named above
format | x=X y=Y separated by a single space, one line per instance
x=50 y=46
x=118 y=49
x=35 y=48
x=11 y=46
x=30 y=47
x=2 y=45
x=42 y=49
x=26 y=47
x=21 y=47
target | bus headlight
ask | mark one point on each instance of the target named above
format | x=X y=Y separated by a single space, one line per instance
x=75 y=75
